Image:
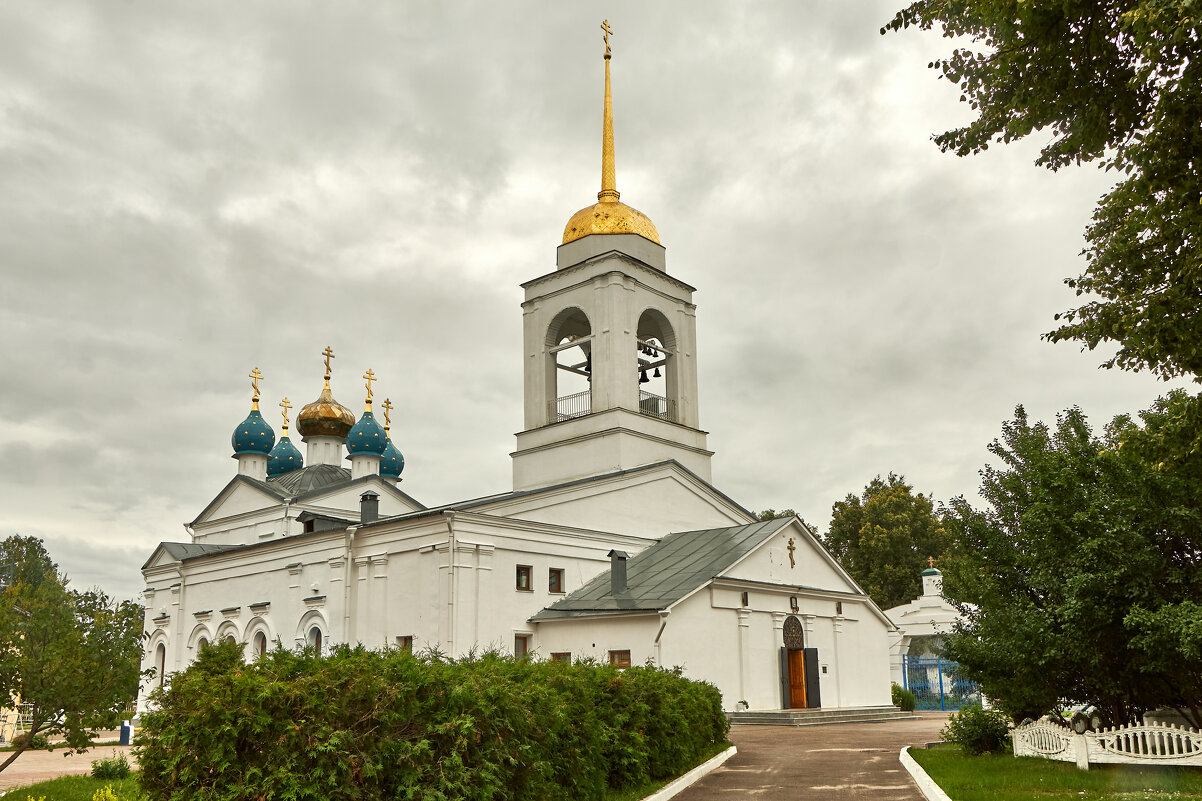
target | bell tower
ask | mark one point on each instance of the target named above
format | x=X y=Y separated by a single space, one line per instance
x=610 y=347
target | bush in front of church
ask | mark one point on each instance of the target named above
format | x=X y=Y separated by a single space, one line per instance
x=361 y=724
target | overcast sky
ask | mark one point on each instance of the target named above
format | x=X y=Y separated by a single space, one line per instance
x=190 y=190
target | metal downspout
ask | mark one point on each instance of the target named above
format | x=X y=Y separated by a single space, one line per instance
x=346 y=584
x=451 y=627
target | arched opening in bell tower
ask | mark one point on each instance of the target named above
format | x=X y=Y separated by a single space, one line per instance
x=569 y=366
x=656 y=367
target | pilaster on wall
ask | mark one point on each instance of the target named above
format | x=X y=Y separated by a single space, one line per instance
x=744 y=621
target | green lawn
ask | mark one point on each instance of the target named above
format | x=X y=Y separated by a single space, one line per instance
x=1007 y=778
x=82 y=788
x=77 y=788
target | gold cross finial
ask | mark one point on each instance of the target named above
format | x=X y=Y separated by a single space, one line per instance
x=329 y=354
x=792 y=547
x=285 y=405
x=254 y=377
x=931 y=561
x=387 y=407
x=370 y=376
x=605 y=27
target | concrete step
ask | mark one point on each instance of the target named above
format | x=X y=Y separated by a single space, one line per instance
x=818 y=717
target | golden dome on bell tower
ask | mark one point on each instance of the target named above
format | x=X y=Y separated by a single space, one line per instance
x=325 y=417
x=608 y=215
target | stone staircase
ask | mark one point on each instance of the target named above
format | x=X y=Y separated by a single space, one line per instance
x=818 y=717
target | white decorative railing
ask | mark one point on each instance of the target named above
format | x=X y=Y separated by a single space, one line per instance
x=1138 y=743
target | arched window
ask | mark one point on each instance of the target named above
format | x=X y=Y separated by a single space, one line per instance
x=160 y=662
x=315 y=640
x=260 y=643
x=569 y=366
x=201 y=644
x=655 y=368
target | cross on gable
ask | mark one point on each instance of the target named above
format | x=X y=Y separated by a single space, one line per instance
x=792 y=548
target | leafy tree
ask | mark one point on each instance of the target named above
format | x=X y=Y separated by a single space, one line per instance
x=71 y=656
x=884 y=538
x=1118 y=82
x=772 y=514
x=1079 y=581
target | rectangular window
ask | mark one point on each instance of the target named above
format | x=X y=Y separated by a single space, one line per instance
x=619 y=658
x=555 y=579
x=405 y=643
x=562 y=656
x=521 y=646
x=523 y=578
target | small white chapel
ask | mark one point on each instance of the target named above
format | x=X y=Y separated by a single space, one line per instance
x=612 y=544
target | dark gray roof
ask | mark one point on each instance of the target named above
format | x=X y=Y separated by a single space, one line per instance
x=463 y=506
x=186 y=550
x=307 y=479
x=667 y=571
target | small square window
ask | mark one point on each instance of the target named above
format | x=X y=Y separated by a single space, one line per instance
x=562 y=656
x=619 y=658
x=521 y=646
x=555 y=579
x=523 y=578
x=405 y=643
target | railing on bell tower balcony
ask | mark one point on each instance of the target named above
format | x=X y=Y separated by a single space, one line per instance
x=570 y=406
x=581 y=403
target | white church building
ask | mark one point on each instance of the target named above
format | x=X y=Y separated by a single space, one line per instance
x=613 y=543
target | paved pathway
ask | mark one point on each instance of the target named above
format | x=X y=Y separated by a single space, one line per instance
x=825 y=763
x=36 y=766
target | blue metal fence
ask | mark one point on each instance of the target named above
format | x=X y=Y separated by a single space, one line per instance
x=938 y=683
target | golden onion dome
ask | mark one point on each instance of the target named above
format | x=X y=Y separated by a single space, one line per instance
x=325 y=417
x=608 y=215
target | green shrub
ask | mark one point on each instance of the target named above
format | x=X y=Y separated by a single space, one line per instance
x=419 y=727
x=39 y=742
x=903 y=699
x=114 y=767
x=977 y=730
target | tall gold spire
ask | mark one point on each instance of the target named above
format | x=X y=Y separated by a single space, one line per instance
x=609 y=215
x=609 y=188
x=370 y=376
x=387 y=407
x=255 y=376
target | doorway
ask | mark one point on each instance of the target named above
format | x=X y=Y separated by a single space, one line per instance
x=797 y=679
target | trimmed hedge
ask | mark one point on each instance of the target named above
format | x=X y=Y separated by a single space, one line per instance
x=361 y=724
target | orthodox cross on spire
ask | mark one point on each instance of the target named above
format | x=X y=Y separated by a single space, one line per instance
x=931 y=561
x=387 y=407
x=329 y=354
x=285 y=405
x=609 y=191
x=254 y=377
x=370 y=376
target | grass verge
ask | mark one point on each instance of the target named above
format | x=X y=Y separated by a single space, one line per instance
x=76 y=788
x=82 y=788
x=644 y=790
x=1002 y=777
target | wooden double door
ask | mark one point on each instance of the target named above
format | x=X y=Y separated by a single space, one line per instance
x=799 y=669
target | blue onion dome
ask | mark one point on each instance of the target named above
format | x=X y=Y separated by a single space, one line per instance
x=367 y=436
x=393 y=462
x=284 y=458
x=253 y=435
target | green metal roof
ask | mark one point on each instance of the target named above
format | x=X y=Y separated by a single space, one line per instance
x=666 y=572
